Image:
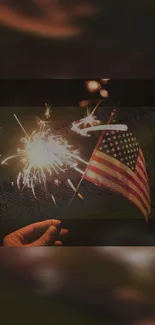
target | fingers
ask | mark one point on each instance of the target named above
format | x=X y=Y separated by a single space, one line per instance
x=58 y=243
x=63 y=232
x=48 y=227
x=48 y=237
x=36 y=227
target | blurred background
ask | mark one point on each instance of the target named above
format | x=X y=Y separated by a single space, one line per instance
x=78 y=285
x=66 y=39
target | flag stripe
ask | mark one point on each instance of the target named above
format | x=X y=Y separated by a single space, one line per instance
x=105 y=159
x=142 y=157
x=98 y=180
x=142 y=175
x=122 y=176
x=120 y=168
x=143 y=166
x=143 y=163
x=116 y=182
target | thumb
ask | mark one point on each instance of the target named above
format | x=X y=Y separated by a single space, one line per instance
x=48 y=237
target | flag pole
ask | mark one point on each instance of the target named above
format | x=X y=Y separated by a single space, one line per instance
x=99 y=140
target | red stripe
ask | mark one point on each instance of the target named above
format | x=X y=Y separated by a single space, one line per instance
x=123 y=172
x=143 y=179
x=142 y=157
x=116 y=181
x=142 y=162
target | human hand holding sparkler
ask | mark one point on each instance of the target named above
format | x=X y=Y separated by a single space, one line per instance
x=23 y=236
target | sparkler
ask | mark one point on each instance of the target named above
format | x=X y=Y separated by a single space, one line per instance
x=90 y=120
x=44 y=154
x=91 y=123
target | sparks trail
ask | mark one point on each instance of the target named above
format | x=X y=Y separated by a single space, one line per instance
x=90 y=123
x=90 y=120
x=44 y=155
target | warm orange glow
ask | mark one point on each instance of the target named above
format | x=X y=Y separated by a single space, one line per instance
x=93 y=85
x=104 y=93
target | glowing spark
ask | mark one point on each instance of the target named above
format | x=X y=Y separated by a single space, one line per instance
x=53 y=198
x=90 y=120
x=44 y=154
x=84 y=103
x=93 y=86
x=47 y=111
x=104 y=93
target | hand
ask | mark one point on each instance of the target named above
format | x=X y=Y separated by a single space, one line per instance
x=48 y=228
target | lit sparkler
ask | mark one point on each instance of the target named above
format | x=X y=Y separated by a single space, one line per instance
x=44 y=154
x=91 y=123
x=90 y=120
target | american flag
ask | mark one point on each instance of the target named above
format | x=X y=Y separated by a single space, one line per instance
x=118 y=164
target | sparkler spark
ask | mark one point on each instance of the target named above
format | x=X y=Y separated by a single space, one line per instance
x=91 y=123
x=90 y=120
x=44 y=154
x=47 y=111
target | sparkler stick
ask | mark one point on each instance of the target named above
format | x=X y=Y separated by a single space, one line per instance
x=100 y=139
